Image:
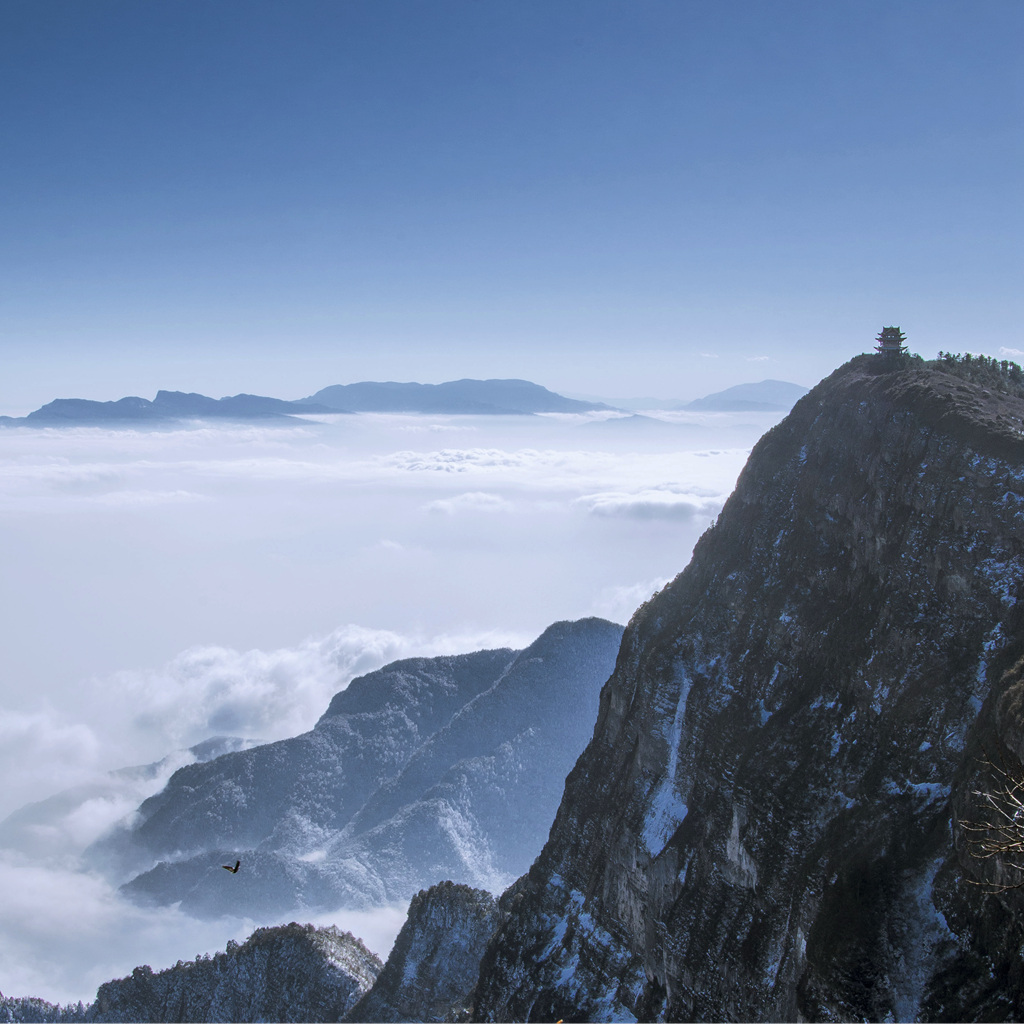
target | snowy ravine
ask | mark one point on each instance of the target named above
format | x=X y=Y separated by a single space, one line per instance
x=766 y=825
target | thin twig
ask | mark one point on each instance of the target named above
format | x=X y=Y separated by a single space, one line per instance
x=1001 y=835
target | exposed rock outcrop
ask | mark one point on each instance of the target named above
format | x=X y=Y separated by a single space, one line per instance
x=766 y=823
x=435 y=961
x=289 y=973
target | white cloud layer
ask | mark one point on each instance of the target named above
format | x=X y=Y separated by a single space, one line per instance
x=229 y=543
x=158 y=585
x=66 y=932
x=39 y=753
x=268 y=695
x=470 y=501
x=139 y=716
x=652 y=503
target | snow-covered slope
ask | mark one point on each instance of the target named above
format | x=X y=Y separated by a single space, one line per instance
x=426 y=770
x=291 y=972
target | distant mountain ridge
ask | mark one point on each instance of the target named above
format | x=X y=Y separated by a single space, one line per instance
x=760 y=396
x=488 y=397
x=167 y=406
x=466 y=397
x=457 y=397
x=764 y=396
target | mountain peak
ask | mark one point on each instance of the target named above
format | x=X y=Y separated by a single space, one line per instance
x=763 y=825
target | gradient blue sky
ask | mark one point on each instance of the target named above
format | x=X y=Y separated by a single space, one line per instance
x=617 y=198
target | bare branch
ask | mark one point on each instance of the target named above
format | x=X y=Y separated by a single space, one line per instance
x=999 y=834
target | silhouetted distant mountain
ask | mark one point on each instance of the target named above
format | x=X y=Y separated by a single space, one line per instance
x=454 y=396
x=766 y=396
x=503 y=397
x=168 y=405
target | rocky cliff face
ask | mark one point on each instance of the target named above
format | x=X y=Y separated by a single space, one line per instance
x=427 y=769
x=290 y=973
x=435 y=961
x=766 y=824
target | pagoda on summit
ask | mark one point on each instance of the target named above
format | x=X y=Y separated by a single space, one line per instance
x=891 y=342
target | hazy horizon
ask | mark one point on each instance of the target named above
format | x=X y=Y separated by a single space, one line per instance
x=608 y=399
x=652 y=198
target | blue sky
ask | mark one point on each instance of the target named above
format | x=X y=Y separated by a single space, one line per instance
x=658 y=198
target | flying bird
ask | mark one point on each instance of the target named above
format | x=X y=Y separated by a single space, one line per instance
x=233 y=870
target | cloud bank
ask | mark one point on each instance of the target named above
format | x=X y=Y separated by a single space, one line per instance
x=141 y=715
x=654 y=503
x=162 y=587
x=66 y=932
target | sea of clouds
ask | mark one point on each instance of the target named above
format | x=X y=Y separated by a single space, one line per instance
x=162 y=587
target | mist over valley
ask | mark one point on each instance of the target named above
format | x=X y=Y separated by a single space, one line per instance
x=226 y=579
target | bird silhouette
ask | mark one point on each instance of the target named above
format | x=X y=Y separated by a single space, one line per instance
x=233 y=870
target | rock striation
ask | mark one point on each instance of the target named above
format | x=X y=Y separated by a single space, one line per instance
x=768 y=822
x=435 y=961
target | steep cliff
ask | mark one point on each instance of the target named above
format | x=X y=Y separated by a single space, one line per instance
x=767 y=823
x=435 y=961
x=290 y=973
